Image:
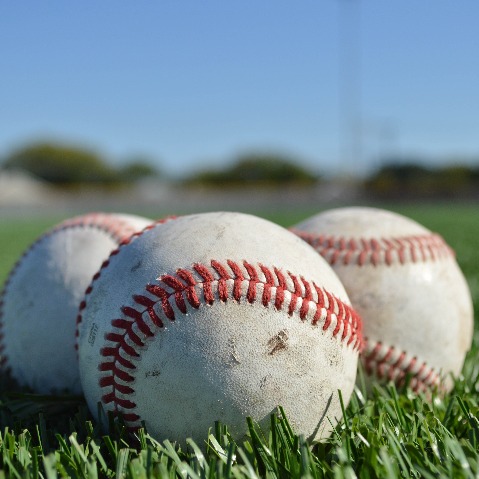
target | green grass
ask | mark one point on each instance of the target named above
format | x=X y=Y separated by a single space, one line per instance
x=16 y=235
x=385 y=434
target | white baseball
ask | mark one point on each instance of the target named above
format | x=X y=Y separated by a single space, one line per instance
x=40 y=299
x=218 y=316
x=405 y=283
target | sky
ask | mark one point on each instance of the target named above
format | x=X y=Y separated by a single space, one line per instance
x=189 y=84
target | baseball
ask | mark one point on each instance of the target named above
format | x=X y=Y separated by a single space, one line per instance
x=405 y=283
x=40 y=299
x=217 y=316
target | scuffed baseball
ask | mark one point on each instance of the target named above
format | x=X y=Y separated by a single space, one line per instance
x=40 y=299
x=218 y=316
x=405 y=283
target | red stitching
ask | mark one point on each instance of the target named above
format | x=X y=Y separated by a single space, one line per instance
x=174 y=293
x=106 y=263
x=117 y=228
x=376 y=251
x=379 y=360
x=391 y=364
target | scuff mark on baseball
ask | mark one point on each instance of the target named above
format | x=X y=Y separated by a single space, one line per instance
x=237 y=313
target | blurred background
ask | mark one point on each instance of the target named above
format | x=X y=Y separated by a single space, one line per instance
x=179 y=106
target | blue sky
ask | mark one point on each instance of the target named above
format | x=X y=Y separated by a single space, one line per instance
x=190 y=83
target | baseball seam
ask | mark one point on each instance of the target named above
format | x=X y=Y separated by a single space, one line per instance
x=387 y=251
x=173 y=294
x=393 y=364
x=118 y=229
x=385 y=362
x=106 y=263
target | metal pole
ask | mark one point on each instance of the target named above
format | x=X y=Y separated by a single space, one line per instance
x=350 y=116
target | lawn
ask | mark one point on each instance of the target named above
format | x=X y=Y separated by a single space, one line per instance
x=385 y=433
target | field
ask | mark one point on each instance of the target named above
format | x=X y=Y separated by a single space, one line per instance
x=385 y=434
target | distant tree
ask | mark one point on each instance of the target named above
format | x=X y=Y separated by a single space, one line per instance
x=61 y=164
x=454 y=179
x=402 y=179
x=475 y=174
x=257 y=169
x=398 y=178
x=270 y=169
x=138 y=169
x=407 y=172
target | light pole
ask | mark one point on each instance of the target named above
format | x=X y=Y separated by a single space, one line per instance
x=350 y=116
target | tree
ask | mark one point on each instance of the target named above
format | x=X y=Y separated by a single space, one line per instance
x=257 y=170
x=455 y=178
x=61 y=164
x=138 y=169
x=398 y=178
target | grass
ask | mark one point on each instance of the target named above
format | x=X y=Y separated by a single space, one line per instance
x=387 y=433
